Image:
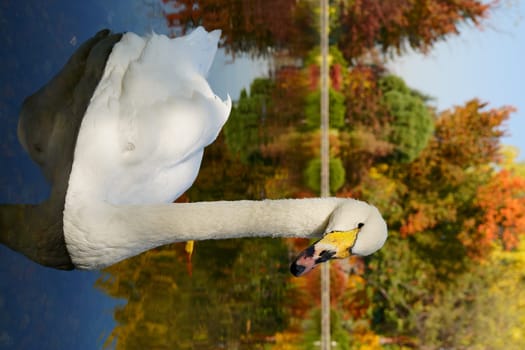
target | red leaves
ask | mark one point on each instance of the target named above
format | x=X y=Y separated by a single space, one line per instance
x=247 y=25
x=398 y=24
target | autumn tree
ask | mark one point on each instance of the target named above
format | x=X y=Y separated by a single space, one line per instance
x=386 y=121
x=483 y=309
x=502 y=204
x=237 y=296
x=288 y=97
x=401 y=24
x=368 y=123
x=432 y=206
x=357 y=26
x=455 y=163
x=247 y=25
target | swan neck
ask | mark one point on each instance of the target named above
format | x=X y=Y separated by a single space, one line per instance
x=116 y=232
x=236 y=219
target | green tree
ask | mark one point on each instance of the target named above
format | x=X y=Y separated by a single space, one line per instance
x=312 y=332
x=336 y=106
x=244 y=131
x=412 y=122
x=312 y=174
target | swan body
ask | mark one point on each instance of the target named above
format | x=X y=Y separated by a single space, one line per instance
x=120 y=134
x=142 y=137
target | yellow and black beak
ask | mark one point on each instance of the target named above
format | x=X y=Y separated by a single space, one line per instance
x=334 y=245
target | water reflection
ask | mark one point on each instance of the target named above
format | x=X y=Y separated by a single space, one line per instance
x=233 y=294
x=42 y=308
x=253 y=26
x=239 y=293
x=236 y=296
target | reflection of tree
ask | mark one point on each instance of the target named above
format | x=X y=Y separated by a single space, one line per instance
x=398 y=25
x=247 y=25
x=356 y=27
x=480 y=310
x=246 y=124
x=235 y=297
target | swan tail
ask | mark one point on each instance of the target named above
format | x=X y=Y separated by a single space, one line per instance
x=202 y=46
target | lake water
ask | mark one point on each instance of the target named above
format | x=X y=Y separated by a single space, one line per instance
x=219 y=304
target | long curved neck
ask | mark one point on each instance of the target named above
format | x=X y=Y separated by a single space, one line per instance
x=130 y=230
x=234 y=219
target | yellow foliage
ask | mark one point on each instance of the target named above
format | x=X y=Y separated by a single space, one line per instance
x=368 y=341
x=287 y=341
x=509 y=155
x=355 y=282
x=156 y=328
x=487 y=308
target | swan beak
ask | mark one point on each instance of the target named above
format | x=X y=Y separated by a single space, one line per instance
x=334 y=245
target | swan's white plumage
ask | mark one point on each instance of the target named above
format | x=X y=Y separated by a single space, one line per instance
x=149 y=120
x=142 y=137
x=373 y=233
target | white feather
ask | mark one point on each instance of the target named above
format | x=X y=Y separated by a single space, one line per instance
x=148 y=121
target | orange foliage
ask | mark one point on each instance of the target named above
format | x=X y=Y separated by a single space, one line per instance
x=418 y=221
x=465 y=143
x=469 y=135
x=502 y=201
x=287 y=340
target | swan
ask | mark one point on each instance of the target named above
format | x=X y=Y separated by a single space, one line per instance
x=120 y=133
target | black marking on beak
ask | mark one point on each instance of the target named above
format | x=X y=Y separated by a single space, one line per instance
x=325 y=255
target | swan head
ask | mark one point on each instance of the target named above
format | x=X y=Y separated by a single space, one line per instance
x=354 y=228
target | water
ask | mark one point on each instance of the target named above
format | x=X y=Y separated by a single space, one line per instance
x=222 y=303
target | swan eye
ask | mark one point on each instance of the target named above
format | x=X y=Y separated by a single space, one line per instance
x=359 y=225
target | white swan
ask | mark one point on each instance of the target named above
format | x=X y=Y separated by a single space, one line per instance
x=139 y=144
